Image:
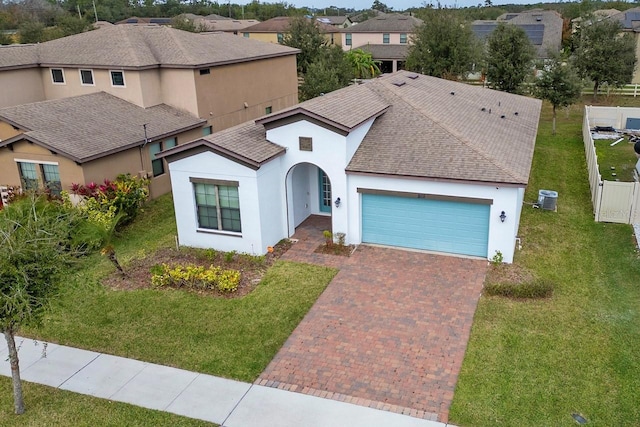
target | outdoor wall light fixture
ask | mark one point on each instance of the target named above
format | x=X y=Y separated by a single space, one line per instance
x=503 y=216
x=337 y=202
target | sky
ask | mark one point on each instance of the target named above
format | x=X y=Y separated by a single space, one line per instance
x=397 y=4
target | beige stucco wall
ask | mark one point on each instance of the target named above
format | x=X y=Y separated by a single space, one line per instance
x=222 y=94
x=178 y=89
x=20 y=87
x=72 y=86
x=636 y=72
x=361 y=39
x=7 y=131
x=150 y=87
x=70 y=172
x=130 y=161
x=264 y=37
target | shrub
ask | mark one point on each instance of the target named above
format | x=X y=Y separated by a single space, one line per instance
x=341 y=238
x=536 y=288
x=125 y=195
x=328 y=237
x=195 y=277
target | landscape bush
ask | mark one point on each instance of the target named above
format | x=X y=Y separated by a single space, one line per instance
x=195 y=277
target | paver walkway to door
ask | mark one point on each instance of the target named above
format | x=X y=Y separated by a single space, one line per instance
x=389 y=332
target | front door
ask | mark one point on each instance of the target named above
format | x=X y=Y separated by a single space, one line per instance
x=324 y=189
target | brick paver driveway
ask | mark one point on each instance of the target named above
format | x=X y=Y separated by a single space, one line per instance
x=389 y=332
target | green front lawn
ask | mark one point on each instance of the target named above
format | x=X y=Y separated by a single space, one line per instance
x=47 y=406
x=535 y=363
x=233 y=338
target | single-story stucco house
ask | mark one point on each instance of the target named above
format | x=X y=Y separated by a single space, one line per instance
x=403 y=160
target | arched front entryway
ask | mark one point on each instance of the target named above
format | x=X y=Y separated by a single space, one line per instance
x=308 y=193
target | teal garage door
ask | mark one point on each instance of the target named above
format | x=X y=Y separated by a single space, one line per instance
x=419 y=223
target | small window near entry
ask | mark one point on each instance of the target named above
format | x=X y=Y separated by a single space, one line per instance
x=245 y=35
x=57 y=76
x=207 y=130
x=305 y=143
x=205 y=71
x=403 y=38
x=385 y=38
x=86 y=77
x=348 y=39
x=280 y=38
x=268 y=110
x=218 y=206
x=117 y=78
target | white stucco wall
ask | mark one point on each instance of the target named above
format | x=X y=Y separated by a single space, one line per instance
x=501 y=235
x=210 y=166
x=329 y=153
x=272 y=203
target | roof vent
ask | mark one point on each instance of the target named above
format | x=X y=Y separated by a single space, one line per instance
x=413 y=76
x=452 y=93
x=502 y=116
x=515 y=114
x=483 y=109
x=399 y=83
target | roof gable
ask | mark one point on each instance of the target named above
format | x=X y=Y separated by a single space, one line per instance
x=395 y=22
x=146 y=46
x=89 y=127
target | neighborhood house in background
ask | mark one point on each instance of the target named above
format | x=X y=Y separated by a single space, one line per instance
x=77 y=109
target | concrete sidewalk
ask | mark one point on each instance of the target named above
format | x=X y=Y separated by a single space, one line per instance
x=219 y=400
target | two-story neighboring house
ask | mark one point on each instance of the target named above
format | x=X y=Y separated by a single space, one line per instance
x=542 y=27
x=335 y=21
x=187 y=84
x=386 y=36
x=274 y=29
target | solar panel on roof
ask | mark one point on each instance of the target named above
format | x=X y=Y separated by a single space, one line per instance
x=132 y=21
x=160 y=20
x=535 y=32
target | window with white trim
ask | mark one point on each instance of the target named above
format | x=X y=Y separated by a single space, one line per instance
x=57 y=76
x=347 y=39
x=217 y=206
x=403 y=38
x=31 y=174
x=117 y=78
x=86 y=77
x=385 y=38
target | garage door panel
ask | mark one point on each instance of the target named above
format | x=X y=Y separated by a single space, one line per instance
x=443 y=226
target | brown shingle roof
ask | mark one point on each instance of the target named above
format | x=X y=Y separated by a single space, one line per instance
x=18 y=56
x=135 y=47
x=341 y=109
x=386 y=23
x=280 y=24
x=424 y=127
x=88 y=127
x=245 y=143
x=430 y=132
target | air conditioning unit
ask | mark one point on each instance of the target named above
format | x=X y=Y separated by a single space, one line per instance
x=547 y=199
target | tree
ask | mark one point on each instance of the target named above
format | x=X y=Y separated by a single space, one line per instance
x=509 y=58
x=362 y=64
x=330 y=71
x=34 y=246
x=604 y=55
x=379 y=6
x=305 y=35
x=443 y=46
x=31 y=32
x=559 y=84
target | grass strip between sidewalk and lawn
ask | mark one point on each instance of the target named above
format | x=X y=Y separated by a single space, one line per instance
x=48 y=406
x=536 y=363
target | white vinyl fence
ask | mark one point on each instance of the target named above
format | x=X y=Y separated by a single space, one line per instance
x=612 y=201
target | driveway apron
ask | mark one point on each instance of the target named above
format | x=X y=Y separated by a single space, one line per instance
x=389 y=332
